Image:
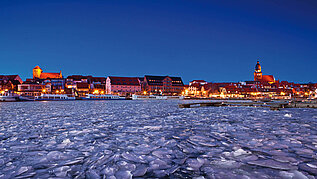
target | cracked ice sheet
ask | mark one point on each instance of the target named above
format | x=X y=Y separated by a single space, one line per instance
x=91 y=139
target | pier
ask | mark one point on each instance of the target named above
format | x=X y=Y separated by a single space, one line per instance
x=271 y=105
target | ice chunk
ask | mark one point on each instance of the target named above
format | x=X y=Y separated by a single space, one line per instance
x=61 y=171
x=23 y=170
x=288 y=115
x=140 y=171
x=272 y=164
x=132 y=157
x=162 y=153
x=194 y=164
x=92 y=174
x=240 y=152
x=159 y=165
x=124 y=174
x=56 y=155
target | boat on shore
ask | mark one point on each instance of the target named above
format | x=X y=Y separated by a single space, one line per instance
x=54 y=97
x=144 y=97
x=102 y=97
x=9 y=96
x=27 y=98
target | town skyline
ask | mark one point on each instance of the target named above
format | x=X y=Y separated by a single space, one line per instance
x=24 y=77
x=211 y=40
x=81 y=86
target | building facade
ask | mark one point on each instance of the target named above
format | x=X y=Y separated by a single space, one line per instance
x=10 y=82
x=38 y=74
x=163 y=85
x=122 y=85
x=32 y=89
x=258 y=76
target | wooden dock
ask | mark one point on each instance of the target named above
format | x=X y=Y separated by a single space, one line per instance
x=271 y=105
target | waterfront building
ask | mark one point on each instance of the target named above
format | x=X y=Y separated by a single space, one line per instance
x=77 y=85
x=10 y=82
x=199 y=82
x=258 y=76
x=80 y=85
x=38 y=74
x=123 y=85
x=98 y=85
x=82 y=89
x=164 y=85
x=196 y=88
x=141 y=81
x=33 y=89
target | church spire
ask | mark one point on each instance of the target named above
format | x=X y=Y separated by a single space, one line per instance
x=257 y=72
x=258 y=67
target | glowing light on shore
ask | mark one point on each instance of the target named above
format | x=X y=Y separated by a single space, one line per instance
x=96 y=92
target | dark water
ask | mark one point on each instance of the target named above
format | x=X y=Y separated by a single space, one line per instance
x=154 y=139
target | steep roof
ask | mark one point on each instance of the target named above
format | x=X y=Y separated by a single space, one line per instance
x=150 y=77
x=132 y=81
x=78 y=77
x=37 y=67
x=177 y=80
x=15 y=79
x=98 y=79
x=158 y=80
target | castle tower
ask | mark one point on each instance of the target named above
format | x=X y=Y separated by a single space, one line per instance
x=257 y=72
x=37 y=71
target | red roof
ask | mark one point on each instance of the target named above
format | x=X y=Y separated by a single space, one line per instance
x=37 y=67
x=268 y=78
x=50 y=75
x=98 y=79
x=131 y=81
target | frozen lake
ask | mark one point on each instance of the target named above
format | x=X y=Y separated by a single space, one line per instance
x=154 y=139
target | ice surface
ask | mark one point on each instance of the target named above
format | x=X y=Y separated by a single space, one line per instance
x=153 y=139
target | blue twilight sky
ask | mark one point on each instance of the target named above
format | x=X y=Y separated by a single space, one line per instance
x=213 y=40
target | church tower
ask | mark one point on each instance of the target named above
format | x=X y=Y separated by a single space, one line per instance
x=257 y=72
x=37 y=71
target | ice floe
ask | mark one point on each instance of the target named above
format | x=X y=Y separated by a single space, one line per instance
x=154 y=139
